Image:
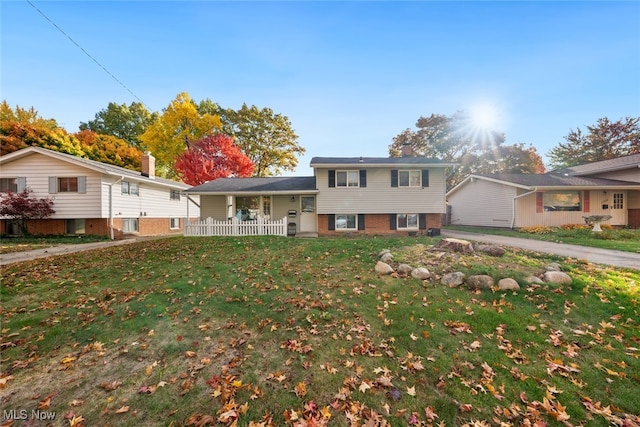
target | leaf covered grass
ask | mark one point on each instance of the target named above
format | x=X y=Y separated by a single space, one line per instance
x=269 y=331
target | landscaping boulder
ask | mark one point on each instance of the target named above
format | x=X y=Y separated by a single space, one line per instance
x=492 y=250
x=420 y=273
x=508 y=284
x=557 y=277
x=480 y=281
x=530 y=280
x=382 y=252
x=453 y=280
x=554 y=266
x=404 y=269
x=386 y=257
x=382 y=268
x=455 y=245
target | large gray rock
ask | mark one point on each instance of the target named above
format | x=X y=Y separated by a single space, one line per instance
x=492 y=250
x=557 y=277
x=453 y=280
x=382 y=268
x=508 y=284
x=480 y=281
x=531 y=280
x=382 y=252
x=386 y=257
x=420 y=273
x=404 y=269
x=554 y=266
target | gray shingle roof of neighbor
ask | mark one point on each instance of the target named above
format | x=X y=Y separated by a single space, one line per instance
x=377 y=161
x=257 y=185
x=94 y=165
x=555 y=180
x=602 y=166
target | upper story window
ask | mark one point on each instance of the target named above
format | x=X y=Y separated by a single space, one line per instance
x=348 y=178
x=130 y=188
x=410 y=178
x=8 y=185
x=175 y=195
x=67 y=184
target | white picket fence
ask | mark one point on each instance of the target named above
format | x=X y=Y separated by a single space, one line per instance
x=235 y=227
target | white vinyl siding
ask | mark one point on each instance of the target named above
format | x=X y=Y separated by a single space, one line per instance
x=482 y=203
x=379 y=197
x=36 y=170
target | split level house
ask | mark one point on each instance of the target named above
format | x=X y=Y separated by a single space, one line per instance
x=96 y=198
x=363 y=195
x=565 y=196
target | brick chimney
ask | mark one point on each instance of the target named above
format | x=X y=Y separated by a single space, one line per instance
x=407 y=150
x=148 y=165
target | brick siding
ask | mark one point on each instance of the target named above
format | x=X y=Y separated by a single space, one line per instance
x=376 y=224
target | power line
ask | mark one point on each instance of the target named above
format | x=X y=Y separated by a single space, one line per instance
x=87 y=53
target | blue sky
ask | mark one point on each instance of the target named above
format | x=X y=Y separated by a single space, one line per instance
x=349 y=75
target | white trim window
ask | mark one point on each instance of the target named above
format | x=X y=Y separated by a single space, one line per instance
x=130 y=225
x=407 y=221
x=174 y=223
x=348 y=178
x=130 y=188
x=409 y=178
x=174 y=195
x=346 y=222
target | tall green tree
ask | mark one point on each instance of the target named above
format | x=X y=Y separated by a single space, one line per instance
x=603 y=141
x=455 y=139
x=123 y=121
x=267 y=138
x=179 y=125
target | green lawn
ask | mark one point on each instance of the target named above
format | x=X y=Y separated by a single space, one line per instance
x=609 y=238
x=271 y=331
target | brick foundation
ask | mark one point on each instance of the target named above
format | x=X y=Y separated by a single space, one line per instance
x=377 y=224
x=100 y=227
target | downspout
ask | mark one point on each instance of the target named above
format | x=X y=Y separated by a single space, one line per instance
x=513 y=214
x=111 y=232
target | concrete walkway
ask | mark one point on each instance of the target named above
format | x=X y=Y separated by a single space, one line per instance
x=594 y=255
x=13 y=257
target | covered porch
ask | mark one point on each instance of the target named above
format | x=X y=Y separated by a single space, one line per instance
x=284 y=206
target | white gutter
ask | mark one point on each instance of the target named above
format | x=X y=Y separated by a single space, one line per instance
x=513 y=215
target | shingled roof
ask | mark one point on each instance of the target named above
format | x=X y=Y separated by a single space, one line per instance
x=273 y=184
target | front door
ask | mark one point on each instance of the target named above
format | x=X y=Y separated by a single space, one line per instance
x=308 y=220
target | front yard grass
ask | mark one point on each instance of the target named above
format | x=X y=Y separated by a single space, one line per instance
x=270 y=331
x=610 y=238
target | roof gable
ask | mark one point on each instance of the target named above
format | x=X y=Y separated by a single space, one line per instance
x=93 y=165
x=274 y=184
x=620 y=163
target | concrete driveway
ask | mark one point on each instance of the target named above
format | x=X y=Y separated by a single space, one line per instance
x=594 y=255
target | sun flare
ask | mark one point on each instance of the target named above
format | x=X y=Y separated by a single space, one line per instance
x=484 y=117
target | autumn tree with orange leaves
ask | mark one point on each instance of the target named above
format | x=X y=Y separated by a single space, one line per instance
x=212 y=157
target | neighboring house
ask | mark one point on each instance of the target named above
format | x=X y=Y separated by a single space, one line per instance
x=610 y=187
x=368 y=195
x=96 y=198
